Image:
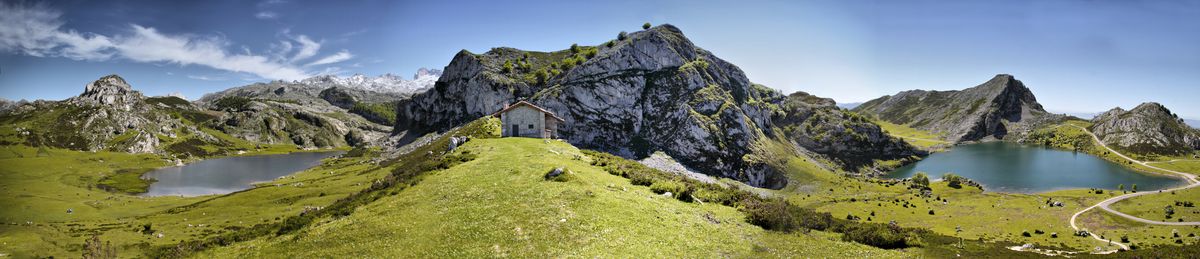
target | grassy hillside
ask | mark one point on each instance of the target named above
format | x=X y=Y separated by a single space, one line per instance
x=916 y=137
x=491 y=206
x=40 y=186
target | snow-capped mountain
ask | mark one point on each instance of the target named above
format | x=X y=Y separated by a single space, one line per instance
x=386 y=83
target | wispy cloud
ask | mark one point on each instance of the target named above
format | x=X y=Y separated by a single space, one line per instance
x=308 y=48
x=206 y=78
x=266 y=15
x=36 y=30
x=335 y=58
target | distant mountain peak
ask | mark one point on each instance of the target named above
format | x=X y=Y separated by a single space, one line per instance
x=109 y=90
x=386 y=83
x=993 y=109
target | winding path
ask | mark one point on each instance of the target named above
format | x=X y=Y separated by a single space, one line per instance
x=1191 y=179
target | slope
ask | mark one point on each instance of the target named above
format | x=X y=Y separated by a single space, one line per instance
x=992 y=110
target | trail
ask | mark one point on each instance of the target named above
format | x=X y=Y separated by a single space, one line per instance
x=1191 y=179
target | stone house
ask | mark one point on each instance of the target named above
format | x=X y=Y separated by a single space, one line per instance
x=524 y=119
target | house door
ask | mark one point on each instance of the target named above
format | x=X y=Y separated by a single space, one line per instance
x=516 y=131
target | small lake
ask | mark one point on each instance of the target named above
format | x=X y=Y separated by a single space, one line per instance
x=229 y=174
x=1020 y=168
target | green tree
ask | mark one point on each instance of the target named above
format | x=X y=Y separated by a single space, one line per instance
x=1134 y=187
x=646 y=26
x=541 y=76
x=1121 y=187
x=621 y=36
x=953 y=180
x=921 y=180
x=574 y=48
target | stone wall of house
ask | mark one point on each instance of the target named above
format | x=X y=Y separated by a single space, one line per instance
x=529 y=122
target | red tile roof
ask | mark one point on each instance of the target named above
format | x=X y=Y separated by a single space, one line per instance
x=524 y=103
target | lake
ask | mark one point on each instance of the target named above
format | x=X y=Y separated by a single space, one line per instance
x=1021 y=168
x=229 y=174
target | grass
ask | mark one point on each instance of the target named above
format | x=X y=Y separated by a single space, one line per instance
x=1153 y=207
x=1141 y=235
x=492 y=207
x=1186 y=166
x=127 y=181
x=39 y=191
x=987 y=216
x=916 y=137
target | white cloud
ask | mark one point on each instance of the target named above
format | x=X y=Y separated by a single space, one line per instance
x=206 y=78
x=308 y=48
x=266 y=15
x=36 y=30
x=335 y=58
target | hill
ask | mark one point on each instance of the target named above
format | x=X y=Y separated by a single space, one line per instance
x=1148 y=129
x=646 y=91
x=995 y=109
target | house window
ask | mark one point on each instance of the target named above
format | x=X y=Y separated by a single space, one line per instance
x=530 y=126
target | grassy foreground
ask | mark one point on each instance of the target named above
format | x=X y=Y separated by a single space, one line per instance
x=39 y=191
x=491 y=207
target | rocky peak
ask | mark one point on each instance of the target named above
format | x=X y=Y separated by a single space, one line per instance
x=650 y=91
x=110 y=90
x=993 y=109
x=1149 y=128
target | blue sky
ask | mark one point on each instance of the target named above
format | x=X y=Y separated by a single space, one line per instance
x=1077 y=56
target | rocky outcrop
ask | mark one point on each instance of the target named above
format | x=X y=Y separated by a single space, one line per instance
x=651 y=91
x=848 y=138
x=108 y=115
x=997 y=108
x=310 y=116
x=112 y=91
x=1149 y=128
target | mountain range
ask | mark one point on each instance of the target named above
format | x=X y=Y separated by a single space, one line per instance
x=652 y=91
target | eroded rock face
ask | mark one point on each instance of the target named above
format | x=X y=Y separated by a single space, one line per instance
x=108 y=115
x=997 y=108
x=653 y=91
x=111 y=90
x=1149 y=128
x=307 y=114
x=816 y=124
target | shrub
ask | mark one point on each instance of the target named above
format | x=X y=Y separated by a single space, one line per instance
x=953 y=180
x=920 y=181
x=878 y=235
x=574 y=48
x=231 y=103
x=664 y=186
x=541 y=76
x=646 y=26
x=1124 y=238
x=621 y=36
x=610 y=43
x=1025 y=234
x=508 y=66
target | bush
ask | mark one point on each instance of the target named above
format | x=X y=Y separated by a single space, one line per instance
x=231 y=103
x=664 y=186
x=508 y=66
x=621 y=36
x=920 y=181
x=646 y=26
x=953 y=180
x=541 y=76
x=574 y=48
x=1025 y=234
x=878 y=235
x=610 y=43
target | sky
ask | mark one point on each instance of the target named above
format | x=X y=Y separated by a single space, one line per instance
x=1076 y=56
